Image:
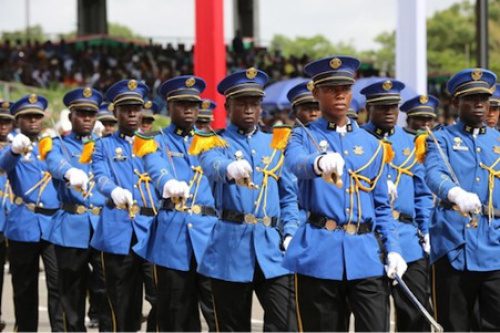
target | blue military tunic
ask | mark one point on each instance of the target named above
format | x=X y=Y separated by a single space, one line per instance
x=5 y=195
x=337 y=255
x=69 y=229
x=31 y=182
x=176 y=236
x=414 y=197
x=116 y=166
x=475 y=159
x=234 y=248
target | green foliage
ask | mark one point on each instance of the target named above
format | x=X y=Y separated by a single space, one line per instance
x=120 y=30
x=316 y=47
x=34 y=33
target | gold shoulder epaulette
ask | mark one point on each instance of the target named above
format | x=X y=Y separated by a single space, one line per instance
x=144 y=145
x=281 y=134
x=203 y=142
x=87 y=151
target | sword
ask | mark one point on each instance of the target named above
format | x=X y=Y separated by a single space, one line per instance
x=331 y=178
x=417 y=304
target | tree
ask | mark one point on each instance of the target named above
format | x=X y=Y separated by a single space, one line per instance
x=315 y=47
x=34 y=33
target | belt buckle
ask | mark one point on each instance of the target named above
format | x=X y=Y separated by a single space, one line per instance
x=396 y=214
x=135 y=209
x=196 y=209
x=250 y=219
x=96 y=210
x=266 y=220
x=80 y=209
x=330 y=225
x=18 y=201
x=350 y=229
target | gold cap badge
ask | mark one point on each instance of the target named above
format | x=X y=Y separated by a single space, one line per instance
x=111 y=107
x=310 y=85
x=33 y=98
x=423 y=99
x=387 y=85
x=251 y=73
x=132 y=84
x=205 y=104
x=190 y=82
x=5 y=105
x=476 y=74
x=148 y=105
x=87 y=92
x=335 y=63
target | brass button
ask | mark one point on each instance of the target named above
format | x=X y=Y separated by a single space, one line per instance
x=18 y=201
x=196 y=209
x=395 y=214
x=478 y=149
x=250 y=219
x=350 y=229
x=80 y=209
x=330 y=225
x=266 y=220
x=478 y=179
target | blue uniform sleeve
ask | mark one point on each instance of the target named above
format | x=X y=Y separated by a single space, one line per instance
x=437 y=176
x=158 y=168
x=423 y=199
x=56 y=161
x=298 y=159
x=102 y=171
x=386 y=225
x=8 y=159
x=289 y=210
x=214 y=164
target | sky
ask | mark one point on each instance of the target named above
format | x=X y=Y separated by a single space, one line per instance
x=354 y=21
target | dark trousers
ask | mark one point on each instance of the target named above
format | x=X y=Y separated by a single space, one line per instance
x=323 y=305
x=123 y=276
x=408 y=318
x=3 y=254
x=233 y=303
x=73 y=264
x=456 y=293
x=98 y=301
x=179 y=294
x=24 y=258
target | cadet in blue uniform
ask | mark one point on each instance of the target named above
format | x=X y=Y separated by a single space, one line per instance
x=465 y=227
x=205 y=115
x=30 y=219
x=107 y=119
x=6 y=124
x=148 y=115
x=245 y=250
x=129 y=211
x=421 y=112
x=304 y=107
x=412 y=207
x=180 y=234
x=494 y=111
x=336 y=254
x=81 y=204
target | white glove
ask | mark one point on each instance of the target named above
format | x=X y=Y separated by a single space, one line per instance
x=393 y=190
x=77 y=178
x=122 y=197
x=175 y=189
x=395 y=265
x=63 y=126
x=20 y=144
x=331 y=163
x=427 y=244
x=467 y=202
x=98 y=128
x=238 y=170
x=287 y=241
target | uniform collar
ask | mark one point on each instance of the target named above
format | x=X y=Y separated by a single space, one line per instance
x=409 y=131
x=379 y=132
x=77 y=137
x=473 y=130
x=334 y=127
x=179 y=131
x=234 y=128
x=125 y=137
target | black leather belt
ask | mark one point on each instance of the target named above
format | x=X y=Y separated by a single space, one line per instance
x=36 y=208
x=167 y=204
x=80 y=209
x=145 y=211
x=329 y=224
x=401 y=217
x=237 y=217
x=484 y=208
